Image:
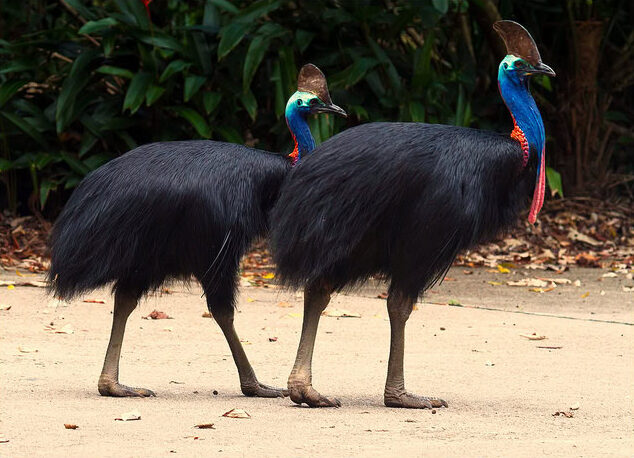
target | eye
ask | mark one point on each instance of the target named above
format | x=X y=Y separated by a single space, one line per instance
x=299 y=102
x=313 y=102
x=506 y=65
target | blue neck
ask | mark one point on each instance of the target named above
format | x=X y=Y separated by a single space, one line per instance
x=518 y=99
x=304 y=142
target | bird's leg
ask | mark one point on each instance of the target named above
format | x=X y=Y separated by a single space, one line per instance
x=316 y=298
x=399 y=307
x=109 y=384
x=248 y=381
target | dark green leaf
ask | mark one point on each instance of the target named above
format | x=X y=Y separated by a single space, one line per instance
x=116 y=71
x=250 y=104
x=303 y=39
x=226 y=5
x=136 y=91
x=153 y=94
x=416 y=111
x=257 y=9
x=75 y=164
x=554 y=182
x=25 y=127
x=97 y=26
x=5 y=165
x=255 y=54
x=175 y=66
x=211 y=101
x=230 y=134
x=9 y=89
x=441 y=5
x=230 y=36
x=195 y=119
x=193 y=83
x=45 y=188
x=77 y=79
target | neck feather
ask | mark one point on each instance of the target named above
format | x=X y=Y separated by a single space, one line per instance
x=304 y=142
x=524 y=111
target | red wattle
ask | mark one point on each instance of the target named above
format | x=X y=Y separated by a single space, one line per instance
x=540 y=191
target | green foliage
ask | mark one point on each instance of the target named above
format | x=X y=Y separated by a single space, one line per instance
x=83 y=82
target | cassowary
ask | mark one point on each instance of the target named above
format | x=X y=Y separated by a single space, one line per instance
x=176 y=210
x=400 y=200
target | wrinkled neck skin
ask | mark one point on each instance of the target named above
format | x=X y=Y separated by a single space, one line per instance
x=296 y=122
x=529 y=128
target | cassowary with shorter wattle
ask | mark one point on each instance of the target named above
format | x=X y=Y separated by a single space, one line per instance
x=176 y=210
x=400 y=200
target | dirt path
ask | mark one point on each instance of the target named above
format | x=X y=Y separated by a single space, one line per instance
x=502 y=388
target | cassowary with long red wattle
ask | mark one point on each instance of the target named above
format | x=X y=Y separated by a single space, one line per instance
x=176 y=210
x=400 y=200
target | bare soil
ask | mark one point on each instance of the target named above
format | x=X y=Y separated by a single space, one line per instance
x=502 y=388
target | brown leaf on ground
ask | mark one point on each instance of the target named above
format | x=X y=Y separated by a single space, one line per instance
x=5 y=307
x=70 y=426
x=207 y=315
x=236 y=413
x=157 y=315
x=340 y=313
x=533 y=336
x=205 y=426
x=563 y=414
x=272 y=339
x=94 y=301
x=129 y=416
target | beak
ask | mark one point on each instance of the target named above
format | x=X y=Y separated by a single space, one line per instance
x=543 y=69
x=329 y=108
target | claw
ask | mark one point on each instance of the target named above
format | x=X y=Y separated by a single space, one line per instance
x=115 y=389
x=308 y=395
x=412 y=401
x=263 y=391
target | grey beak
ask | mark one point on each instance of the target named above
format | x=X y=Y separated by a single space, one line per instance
x=544 y=69
x=329 y=108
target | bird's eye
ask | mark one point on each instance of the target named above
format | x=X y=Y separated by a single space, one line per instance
x=506 y=65
x=299 y=102
x=313 y=102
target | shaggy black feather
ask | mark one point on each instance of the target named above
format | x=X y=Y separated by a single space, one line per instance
x=398 y=200
x=165 y=210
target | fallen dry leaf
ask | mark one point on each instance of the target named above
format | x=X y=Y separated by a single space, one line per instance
x=207 y=315
x=205 y=426
x=272 y=339
x=495 y=283
x=5 y=307
x=534 y=282
x=340 y=313
x=70 y=426
x=502 y=269
x=156 y=315
x=533 y=336
x=68 y=329
x=129 y=416
x=577 y=236
x=542 y=290
x=586 y=294
x=3 y=440
x=382 y=295
x=236 y=413
x=284 y=304
x=27 y=349
x=268 y=276
x=564 y=414
x=94 y=301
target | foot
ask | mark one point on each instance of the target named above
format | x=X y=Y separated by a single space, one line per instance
x=308 y=395
x=411 y=401
x=115 y=389
x=260 y=390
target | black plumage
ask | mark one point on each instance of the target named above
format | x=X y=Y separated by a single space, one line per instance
x=165 y=210
x=396 y=199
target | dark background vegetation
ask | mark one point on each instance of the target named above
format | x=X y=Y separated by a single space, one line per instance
x=82 y=82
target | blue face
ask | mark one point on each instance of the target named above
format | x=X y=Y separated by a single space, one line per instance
x=517 y=70
x=303 y=103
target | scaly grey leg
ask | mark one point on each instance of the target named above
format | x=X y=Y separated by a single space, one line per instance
x=399 y=307
x=316 y=298
x=109 y=380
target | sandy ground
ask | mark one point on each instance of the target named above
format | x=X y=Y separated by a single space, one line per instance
x=502 y=388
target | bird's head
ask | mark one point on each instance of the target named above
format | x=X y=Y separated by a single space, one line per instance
x=312 y=96
x=522 y=59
